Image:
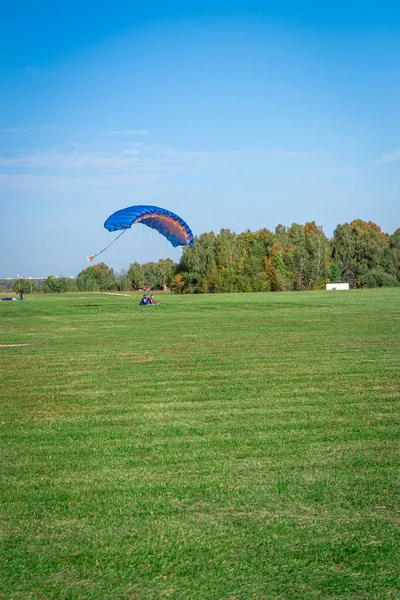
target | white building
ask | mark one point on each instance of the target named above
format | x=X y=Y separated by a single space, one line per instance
x=337 y=286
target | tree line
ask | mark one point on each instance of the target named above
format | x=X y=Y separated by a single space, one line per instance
x=299 y=257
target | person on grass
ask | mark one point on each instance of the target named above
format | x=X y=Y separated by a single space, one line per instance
x=152 y=301
x=144 y=301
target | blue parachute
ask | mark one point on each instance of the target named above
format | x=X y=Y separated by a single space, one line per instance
x=164 y=221
x=170 y=225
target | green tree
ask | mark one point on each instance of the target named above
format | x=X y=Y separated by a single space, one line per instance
x=136 y=275
x=344 y=252
x=124 y=283
x=318 y=250
x=22 y=284
x=198 y=264
x=392 y=256
x=250 y=267
x=227 y=249
x=277 y=274
x=166 y=267
x=225 y=280
x=371 y=243
x=357 y=248
x=58 y=285
x=298 y=256
x=335 y=274
x=178 y=285
x=96 y=278
x=152 y=274
x=377 y=278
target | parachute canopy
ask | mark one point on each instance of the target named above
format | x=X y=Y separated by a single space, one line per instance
x=164 y=221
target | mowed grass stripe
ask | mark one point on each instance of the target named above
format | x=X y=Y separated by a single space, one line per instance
x=227 y=446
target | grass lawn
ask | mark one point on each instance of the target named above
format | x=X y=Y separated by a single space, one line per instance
x=233 y=446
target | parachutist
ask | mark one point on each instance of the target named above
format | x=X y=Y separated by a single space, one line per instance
x=146 y=300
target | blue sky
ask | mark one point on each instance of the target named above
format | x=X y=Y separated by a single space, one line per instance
x=231 y=114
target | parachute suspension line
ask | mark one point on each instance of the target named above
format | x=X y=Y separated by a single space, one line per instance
x=90 y=258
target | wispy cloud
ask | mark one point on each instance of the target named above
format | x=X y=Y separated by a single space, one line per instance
x=389 y=157
x=126 y=132
x=134 y=163
x=295 y=154
x=26 y=129
x=138 y=157
x=52 y=183
x=60 y=160
x=14 y=129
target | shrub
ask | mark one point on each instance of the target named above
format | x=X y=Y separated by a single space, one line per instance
x=377 y=278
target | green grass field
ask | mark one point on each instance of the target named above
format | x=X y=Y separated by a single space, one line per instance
x=218 y=447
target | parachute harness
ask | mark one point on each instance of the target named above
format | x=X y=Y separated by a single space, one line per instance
x=90 y=258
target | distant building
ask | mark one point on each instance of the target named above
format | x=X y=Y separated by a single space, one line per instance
x=337 y=286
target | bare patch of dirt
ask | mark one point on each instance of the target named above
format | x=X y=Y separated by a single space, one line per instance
x=12 y=345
